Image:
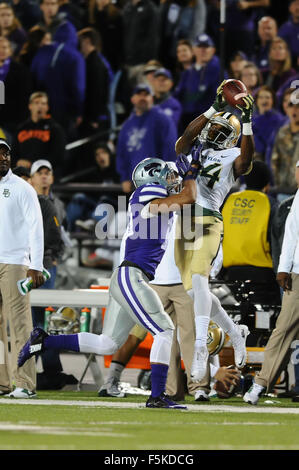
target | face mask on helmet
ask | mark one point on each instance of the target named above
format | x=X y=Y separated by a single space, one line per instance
x=64 y=321
x=221 y=132
x=215 y=339
x=155 y=171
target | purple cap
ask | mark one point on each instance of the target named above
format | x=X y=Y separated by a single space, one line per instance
x=164 y=72
x=203 y=40
x=142 y=87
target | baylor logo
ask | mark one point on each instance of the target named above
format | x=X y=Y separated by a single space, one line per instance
x=6 y=193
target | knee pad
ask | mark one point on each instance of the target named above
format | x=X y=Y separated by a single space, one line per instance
x=161 y=348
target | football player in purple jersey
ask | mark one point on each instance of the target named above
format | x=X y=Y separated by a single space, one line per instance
x=131 y=298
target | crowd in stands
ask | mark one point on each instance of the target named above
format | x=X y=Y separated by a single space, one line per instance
x=60 y=60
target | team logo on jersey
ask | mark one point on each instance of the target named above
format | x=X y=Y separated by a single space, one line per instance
x=135 y=139
x=6 y=192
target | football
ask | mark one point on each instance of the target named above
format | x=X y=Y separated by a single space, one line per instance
x=234 y=91
x=220 y=389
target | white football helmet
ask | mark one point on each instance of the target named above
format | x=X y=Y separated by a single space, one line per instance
x=221 y=132
x=155 y=171
x=64 y=321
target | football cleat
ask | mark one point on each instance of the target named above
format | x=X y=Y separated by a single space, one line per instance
x=163 y=401
x=111 y=389
x=253 y=394
x=239 y=345
x=33 y=346
x=201 y=395
x=22 y=393
x=199 y=363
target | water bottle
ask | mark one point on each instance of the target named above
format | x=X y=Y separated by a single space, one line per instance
x=85 y=320
x=48 y=313
x=25 y=285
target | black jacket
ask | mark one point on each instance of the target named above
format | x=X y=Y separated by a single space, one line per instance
x=53 y=244
x=140 y=32
x=18 y=87
x=43 y=139
x=97 y=88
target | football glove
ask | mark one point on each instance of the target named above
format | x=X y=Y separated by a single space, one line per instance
x=184 y=167
x=247 y=109
x=182 y=164
x=219 y=103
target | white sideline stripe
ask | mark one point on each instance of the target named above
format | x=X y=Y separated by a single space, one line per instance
x=58 y=430
x=114 y=404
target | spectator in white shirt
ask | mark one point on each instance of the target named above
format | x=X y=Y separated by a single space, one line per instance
x=278 y=349
x=21 y=256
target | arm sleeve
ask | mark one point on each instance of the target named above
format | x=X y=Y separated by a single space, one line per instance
x=33 y=217
x=290 y=238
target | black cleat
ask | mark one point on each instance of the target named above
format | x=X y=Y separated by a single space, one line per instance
x=163 y=401
x=33 y=346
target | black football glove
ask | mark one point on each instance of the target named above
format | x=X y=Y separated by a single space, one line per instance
x=247 y=109
x=220 y=103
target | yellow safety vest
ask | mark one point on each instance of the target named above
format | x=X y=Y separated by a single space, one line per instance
x=246 y=217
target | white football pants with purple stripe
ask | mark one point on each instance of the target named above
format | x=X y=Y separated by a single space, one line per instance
x=131 y=301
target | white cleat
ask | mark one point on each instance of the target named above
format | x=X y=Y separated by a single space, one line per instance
x=111 y=389
x=199 y=363
x=239 y=344
x=253 y=394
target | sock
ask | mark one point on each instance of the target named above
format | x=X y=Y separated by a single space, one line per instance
x=68 y=342
x=202 y=308
x=115 y=371
x=201 y=328
x=219 y=316
x=158 y=378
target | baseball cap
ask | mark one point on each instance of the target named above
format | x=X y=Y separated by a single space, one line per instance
x=142 y=87
x=38 y=164
x=3 y=142
x=164 y=72
x=204 y=40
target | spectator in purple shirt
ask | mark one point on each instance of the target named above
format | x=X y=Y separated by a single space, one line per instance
x=198 y=84
x=148 y=132
x=266 y=121
x=62 y=30
x=289 y=30
x=280 y=64
x=162 y=85
x=267 y=31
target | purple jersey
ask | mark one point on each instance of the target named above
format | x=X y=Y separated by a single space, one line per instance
x=146 y=235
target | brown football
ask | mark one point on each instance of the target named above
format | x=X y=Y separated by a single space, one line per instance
x=234 y=91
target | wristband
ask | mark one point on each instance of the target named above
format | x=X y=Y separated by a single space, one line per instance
x=247 y=128
x=210 y=112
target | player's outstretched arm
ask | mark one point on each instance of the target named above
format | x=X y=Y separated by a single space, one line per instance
x=185 y=142
x=188 y=171
x=243 y=164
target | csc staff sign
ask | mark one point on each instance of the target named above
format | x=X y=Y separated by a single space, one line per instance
x=241 y=210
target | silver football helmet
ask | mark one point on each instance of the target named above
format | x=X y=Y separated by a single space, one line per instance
x=221 y=132
x=64 y=321
x=155 y=171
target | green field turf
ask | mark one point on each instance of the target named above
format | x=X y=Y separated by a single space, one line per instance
x=86 y=426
